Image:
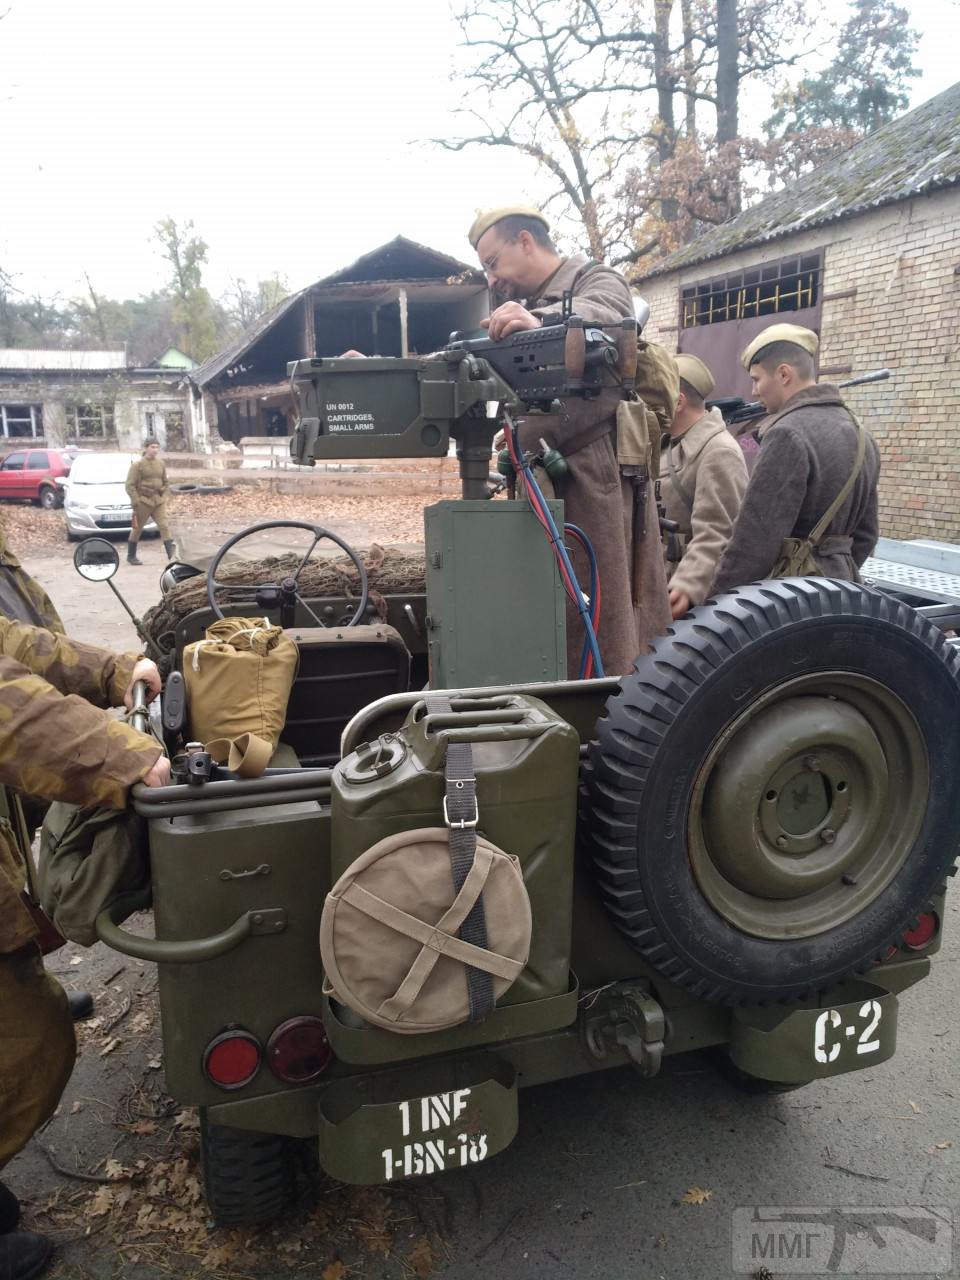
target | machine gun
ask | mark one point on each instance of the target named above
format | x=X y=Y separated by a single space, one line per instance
x=410 y=408
x=736 y=410
x=382 y=407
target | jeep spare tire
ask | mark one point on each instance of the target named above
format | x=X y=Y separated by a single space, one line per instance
x=774 y=792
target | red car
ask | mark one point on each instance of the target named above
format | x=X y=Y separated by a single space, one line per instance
x=33 y=474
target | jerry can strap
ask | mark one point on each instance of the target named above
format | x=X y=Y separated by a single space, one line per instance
x=460 y=815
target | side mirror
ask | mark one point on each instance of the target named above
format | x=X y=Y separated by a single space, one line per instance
x=96 y=559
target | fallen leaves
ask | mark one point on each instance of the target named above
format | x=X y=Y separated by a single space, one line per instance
x=335 y=1271
x=938 y=1146
x=113 y=1043
x=420 y=1258
x=696 y=1195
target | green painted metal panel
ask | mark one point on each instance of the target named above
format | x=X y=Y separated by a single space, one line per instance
x=510 y=628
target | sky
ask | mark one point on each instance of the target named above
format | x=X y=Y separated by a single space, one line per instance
x=292 y=134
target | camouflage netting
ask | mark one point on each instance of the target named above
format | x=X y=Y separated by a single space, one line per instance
x=390 y=571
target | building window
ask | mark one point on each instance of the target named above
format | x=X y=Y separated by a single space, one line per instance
x=21 y=419
x=790 y=285
x=90 y=421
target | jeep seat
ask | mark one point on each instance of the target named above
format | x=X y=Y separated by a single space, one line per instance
x=342 y=670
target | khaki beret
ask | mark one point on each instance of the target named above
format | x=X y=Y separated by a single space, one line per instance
x=485 y=220
x=794 y=333
x=696 y=373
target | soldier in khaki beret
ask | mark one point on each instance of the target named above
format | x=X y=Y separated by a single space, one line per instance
x=808 y=451
x=524 y=269
x=702 y=479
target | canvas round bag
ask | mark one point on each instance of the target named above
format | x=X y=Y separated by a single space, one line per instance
x=388 y=933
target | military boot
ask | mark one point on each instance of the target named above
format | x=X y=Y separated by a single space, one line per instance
x=81 y=1004
x=9 y=1210
x=132 y=554
x=23 y=1255
x=168 y=547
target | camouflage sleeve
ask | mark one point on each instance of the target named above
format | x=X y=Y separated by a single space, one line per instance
x=61 y=748
x=98 y=675
x=132 y=485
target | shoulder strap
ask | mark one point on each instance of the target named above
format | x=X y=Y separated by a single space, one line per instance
x=823 y=524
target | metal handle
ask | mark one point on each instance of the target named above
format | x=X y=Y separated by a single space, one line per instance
x=189 y=951
x=139 y=715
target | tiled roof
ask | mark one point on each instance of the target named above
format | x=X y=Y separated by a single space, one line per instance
x=914 y=155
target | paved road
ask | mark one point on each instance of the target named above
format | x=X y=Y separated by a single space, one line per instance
x=594 y=1184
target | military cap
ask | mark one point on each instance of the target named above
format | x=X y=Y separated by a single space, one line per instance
x=486 y=219
x=794 y=333
x=696 y=373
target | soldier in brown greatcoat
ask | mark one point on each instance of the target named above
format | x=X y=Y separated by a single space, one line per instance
x=148 y=490
x=54 y=744
x=520 y=262
x=702 y=478
x=808 y=451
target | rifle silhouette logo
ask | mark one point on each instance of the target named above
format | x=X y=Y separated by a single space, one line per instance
x=796 y=1240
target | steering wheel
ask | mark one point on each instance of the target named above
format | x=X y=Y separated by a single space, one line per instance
x=286 y=593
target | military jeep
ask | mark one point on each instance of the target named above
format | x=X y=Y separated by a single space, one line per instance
x=740 y=846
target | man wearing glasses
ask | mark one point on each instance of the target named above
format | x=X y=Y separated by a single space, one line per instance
x=528 y=279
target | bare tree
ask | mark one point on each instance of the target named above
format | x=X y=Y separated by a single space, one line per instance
x=585 y=89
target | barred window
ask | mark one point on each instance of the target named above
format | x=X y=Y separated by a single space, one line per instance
x=792 y=284
x=90 y=421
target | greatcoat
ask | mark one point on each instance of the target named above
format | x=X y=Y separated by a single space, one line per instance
x=702 y=479
x=594 y=495
x=807 y=452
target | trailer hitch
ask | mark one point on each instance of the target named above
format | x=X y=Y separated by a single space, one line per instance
x=624 y=1018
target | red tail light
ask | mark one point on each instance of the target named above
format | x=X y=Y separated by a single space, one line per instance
x=298 y=1051
x=232 y=1059
x=923 y=932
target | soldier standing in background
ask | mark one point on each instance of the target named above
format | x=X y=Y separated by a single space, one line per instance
x=523 y=267
x=59 y=747
x=148 y=489
x=809 y=450
x=702 y=479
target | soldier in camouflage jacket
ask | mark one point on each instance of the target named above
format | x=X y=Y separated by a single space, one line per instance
x=56 y=745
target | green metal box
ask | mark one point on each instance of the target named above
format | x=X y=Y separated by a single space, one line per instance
x=513 y=628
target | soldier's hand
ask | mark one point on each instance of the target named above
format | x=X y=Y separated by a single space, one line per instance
x=159 y=775
x=510 y=318
x=679 y=603
x=146 y=670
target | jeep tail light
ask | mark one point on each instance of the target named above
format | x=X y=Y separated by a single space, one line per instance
x=232 y=1059
x=923 y=932
x=299 y=1051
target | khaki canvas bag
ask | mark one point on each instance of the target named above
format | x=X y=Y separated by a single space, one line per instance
x=798 y=555
x=238 y=682
x=388 y=933
x=642 y=419
x=88 y=859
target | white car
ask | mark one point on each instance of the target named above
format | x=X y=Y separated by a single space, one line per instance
x=95 y=500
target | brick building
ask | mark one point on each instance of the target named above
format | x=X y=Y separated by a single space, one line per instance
x=866 y=251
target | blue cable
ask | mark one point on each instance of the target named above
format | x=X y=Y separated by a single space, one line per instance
x=594 y=580
x=535 y=493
